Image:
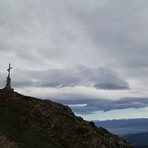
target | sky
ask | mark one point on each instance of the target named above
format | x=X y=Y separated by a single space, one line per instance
x=88 y=54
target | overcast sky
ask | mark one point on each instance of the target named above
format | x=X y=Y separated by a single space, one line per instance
x=88 y=54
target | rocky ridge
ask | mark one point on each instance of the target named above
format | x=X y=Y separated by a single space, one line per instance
x=30 y=122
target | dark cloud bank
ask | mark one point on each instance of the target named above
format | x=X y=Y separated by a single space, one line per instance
x=91 y=105
x=100 y=78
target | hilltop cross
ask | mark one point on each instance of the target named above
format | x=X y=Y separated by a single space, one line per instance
x=9 y=70
x=8 y=82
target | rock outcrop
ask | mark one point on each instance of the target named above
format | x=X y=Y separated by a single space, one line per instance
x=32 y=123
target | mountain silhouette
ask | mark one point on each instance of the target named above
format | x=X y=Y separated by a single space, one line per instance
x=28 y=122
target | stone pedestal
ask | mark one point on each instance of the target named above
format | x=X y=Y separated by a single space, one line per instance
x=8 y=81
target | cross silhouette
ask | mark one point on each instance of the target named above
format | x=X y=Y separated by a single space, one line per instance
x=9 y=69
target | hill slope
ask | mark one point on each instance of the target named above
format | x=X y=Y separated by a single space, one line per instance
x=28 y=122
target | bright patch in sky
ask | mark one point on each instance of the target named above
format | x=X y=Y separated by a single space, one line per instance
x=117 y=114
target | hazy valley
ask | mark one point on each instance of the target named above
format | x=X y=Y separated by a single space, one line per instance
x=132 y=130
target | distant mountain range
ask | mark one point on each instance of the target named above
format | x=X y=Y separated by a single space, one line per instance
x=132 y=130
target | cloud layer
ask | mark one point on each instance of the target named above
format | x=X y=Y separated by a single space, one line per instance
x=91 y=52
x=99 y=78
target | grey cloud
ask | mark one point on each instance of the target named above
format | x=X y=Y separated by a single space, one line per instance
x=110 y=86
x=76 y=32
x=23 y=83
x=123 y=103
x=100 y=104
x=108 y=79
x=119 y=30
x=2 y=79
x=80 y=75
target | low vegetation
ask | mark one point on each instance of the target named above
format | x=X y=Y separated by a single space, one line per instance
x=27 y=122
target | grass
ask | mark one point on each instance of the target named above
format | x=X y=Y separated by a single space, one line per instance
x=9 y=126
